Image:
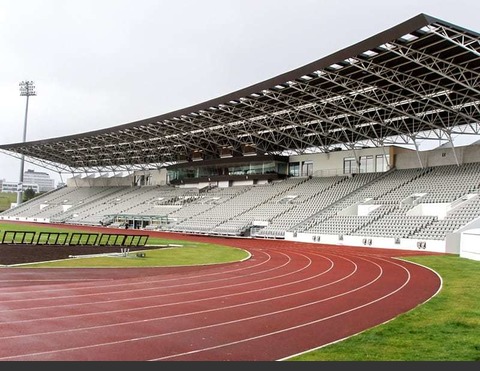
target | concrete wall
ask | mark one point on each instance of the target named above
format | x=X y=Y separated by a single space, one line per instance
x=374 y=242
x=466 y=239
x=158 y=177
x=470 y=244
x=25 y=219
x=471 y=153
x=439 y=210
x=455 y=241
x=324 y=164
x=330 y=164
x=408 y=159
x=101 y=181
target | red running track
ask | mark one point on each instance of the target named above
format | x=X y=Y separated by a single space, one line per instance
x=286 y=299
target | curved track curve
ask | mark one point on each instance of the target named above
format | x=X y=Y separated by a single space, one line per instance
x=286 y=299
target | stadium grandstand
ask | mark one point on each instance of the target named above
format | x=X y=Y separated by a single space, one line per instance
x=326 y=153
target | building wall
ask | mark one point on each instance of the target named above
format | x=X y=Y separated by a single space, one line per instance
x=91 y=181
x=148 y=177
x=332 y=163
x=13 y=187
x=158 y=177
x=407 y=159
x=470 y=244
x=38 y=181
x=43 y=180
x=323 y=164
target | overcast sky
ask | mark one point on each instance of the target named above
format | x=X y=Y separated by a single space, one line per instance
x=102 y=63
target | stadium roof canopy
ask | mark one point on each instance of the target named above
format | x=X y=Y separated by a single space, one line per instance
x=417 y=80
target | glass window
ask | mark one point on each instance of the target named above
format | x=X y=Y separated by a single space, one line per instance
x=349 y=165
x=381 y=163
x=366 y=164
x=307 y=168
x=294 y=169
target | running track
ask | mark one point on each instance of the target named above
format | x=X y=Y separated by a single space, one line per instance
x=287 y=298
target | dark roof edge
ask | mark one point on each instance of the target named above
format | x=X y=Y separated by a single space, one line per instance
x=392 y=33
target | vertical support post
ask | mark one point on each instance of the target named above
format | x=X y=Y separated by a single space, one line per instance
x=27 y=88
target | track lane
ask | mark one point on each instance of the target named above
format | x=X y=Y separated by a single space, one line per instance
x=292 y=300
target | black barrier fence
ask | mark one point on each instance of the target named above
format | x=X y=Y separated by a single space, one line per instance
x=52 y=238
x=89 y=239
x=23 y=237
x=136 y=240
x=116 y=239
x=73 y=239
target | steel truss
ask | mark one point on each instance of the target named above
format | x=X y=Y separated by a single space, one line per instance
x=416 y=81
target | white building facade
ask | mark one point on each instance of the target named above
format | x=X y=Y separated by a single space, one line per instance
x=38 y=181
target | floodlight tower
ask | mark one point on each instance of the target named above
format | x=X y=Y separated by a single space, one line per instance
x=27 y=89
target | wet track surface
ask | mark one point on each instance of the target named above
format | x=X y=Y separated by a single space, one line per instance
x=286 y=299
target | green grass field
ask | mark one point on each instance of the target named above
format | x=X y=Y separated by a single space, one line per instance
x=446 y=328
x=186 y=255
x=6 y=198
x=190 y=253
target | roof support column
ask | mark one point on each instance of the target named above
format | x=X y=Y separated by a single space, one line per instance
x=116 y=178
x=357 y=159
x=387 y=159
x=417 y=151
x=453 y=148
x=74 y=179
x=89 y=180
x=61 y=177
